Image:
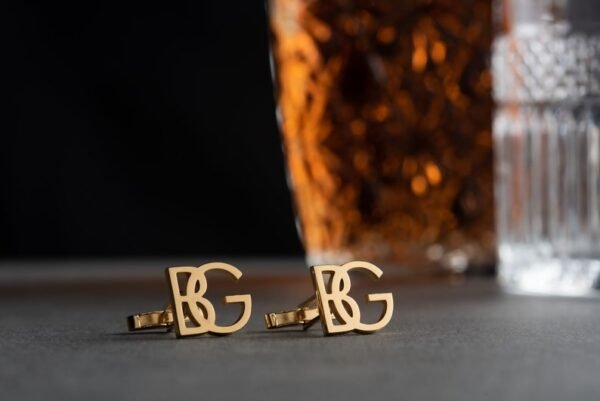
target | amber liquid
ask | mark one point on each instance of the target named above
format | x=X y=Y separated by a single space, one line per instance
x=385 y=110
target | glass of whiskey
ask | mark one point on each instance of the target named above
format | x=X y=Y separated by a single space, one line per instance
x=385 y=114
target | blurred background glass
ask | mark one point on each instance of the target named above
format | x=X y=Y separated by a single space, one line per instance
x=546 y=68
x=385 y=111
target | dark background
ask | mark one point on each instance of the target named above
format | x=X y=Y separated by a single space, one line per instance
x=141 y=129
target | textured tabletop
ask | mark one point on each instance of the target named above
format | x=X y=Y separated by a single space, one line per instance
x=63 y=336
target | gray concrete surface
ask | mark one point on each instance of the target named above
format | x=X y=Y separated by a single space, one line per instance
x=445 y=342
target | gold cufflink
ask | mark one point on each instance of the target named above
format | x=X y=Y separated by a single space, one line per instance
x=338 y=311
x=190 y=313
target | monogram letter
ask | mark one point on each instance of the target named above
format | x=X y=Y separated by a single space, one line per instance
x=335 y=303
x=199 y=311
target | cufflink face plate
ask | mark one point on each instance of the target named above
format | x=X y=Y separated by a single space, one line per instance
x=193 y=313
x=338 y=311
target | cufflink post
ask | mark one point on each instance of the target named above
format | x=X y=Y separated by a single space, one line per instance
x=151 y=320
x=306 y=314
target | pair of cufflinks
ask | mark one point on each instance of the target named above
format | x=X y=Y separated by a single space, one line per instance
x=190 y=313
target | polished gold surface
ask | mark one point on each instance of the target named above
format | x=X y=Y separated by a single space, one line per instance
x=338 y=311
x=151 y=320
x=193 y=314
x=191 y=303
x=305 y=314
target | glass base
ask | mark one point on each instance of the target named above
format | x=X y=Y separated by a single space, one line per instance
x=552 y=276
x=328 y=257
x=433 y=260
